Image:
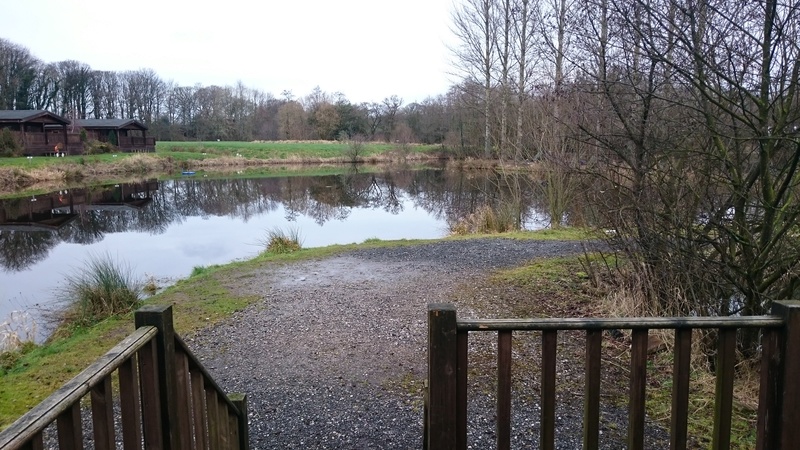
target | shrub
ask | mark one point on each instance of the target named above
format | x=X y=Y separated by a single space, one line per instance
x=279 y=241
x=355 y=149
x=487 y=220
x=198 y=270
x=8 y=144
x=100 y=289
x=95 y=147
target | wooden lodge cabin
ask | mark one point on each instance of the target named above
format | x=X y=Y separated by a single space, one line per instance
x=28 y=127
x=131 y=134
x=43 y=133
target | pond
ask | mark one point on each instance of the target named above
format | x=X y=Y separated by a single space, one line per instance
x=163 y=228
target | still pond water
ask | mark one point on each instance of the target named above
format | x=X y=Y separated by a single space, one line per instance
x=162 y=229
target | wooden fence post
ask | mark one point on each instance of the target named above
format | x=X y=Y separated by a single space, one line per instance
x=161 y=318
x=442 y=362
x=240 y=401
x=789 y=398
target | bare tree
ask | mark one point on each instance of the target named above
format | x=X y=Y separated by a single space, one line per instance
x=44 y=90
x=291 y=120
x=18 y=69
x=701 y=148
x=74 y=88
x=390 y=107
x=505 y=59
x=475 y=26
x=523 y=33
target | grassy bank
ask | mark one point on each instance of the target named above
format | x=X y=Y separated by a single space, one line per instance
x=294 y=150
x=25 y=173
x=198 y=301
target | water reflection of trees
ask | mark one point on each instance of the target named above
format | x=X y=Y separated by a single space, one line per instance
x=445 y=194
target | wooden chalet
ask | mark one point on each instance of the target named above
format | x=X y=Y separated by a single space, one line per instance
x=131 y=134
x=31 y=128
x=42 y=133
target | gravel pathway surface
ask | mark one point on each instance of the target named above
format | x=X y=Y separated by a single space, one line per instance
x=333 y=354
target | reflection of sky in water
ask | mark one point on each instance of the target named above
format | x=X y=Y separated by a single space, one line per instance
x=202 y=241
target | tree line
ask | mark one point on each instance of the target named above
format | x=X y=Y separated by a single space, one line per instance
x=174 y=112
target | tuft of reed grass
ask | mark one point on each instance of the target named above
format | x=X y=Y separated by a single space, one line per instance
x=150 y=286
x=103 y=287
x=198 y=270
x=18 y=329
x=487 y=220
x=279 y=241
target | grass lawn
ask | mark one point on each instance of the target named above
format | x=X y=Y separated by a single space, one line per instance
x=311 y=151
x=280 y=150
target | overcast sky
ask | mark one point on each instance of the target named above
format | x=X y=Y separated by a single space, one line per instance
x=366 y=49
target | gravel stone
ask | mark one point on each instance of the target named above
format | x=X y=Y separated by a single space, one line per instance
x=333 y=355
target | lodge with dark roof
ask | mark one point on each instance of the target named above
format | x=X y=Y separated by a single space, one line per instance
x=41 y=132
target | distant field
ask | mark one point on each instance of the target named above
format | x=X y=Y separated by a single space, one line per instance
x=290 y=151
x=283 y=149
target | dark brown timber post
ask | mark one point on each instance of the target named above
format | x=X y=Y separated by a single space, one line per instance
x=789 y=400
x=161 y=318
x=442 y=362
x=240 y=401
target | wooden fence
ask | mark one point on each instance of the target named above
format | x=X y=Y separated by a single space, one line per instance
x=130 y=143
x=778 y=423
x=164 y=399
x=47 y=144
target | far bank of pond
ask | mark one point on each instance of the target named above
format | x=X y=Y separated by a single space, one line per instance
x=164 y=227
x=174 y=157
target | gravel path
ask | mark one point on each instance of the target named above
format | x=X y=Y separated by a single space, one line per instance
x=334 y=354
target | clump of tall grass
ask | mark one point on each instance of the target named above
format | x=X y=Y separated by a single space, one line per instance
x=141 y=163
x=279 y=241
x=16 y=330
x=103 y=287
x=486 y=219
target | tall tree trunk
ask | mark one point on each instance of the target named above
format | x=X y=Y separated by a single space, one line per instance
x=522 y=77
x=487 y=78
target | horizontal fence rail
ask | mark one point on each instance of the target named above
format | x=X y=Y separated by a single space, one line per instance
x=61 y=405
x=165 y=399
x=635 y=323
x=778 y=423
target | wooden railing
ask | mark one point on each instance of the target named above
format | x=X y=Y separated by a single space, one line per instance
x=40 y=144
x=164 y=399
x=778 y=422
x=137 y=142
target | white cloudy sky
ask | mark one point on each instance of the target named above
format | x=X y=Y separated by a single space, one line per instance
x=366 y=49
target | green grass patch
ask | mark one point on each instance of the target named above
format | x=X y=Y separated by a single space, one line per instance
x=701 y=405
x=277 y=149
x=561 y=234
